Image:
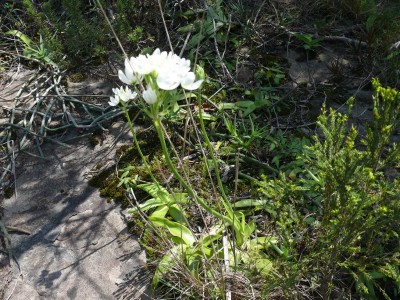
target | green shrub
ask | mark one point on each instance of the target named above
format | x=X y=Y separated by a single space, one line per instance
x=339 y=219
x=75 y=31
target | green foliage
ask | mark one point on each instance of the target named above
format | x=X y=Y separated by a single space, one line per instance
x=50 y=40
x=337 y=218
x=31 y=50
x=261 y=100
x=162 y=203
x=204 y=29
x=309 y=43
x=136 y=35
x=244 y=133
x=74 y=31
x=386 y=121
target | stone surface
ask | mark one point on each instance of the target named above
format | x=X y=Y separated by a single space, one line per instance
x=79 y=247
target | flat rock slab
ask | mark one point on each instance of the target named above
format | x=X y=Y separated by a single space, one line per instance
x=79 y=247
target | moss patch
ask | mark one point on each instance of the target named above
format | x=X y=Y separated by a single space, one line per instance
x=8 y=192
x=77 y=77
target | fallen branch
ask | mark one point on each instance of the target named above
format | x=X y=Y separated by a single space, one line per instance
x=353 y=42
x=17 y=230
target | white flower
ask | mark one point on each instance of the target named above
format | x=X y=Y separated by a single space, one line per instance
x=142 y=65
x=113 y=101
x=129 y=77
x=189 y=83
x=150 y=96
x=121 y=94
x=169 y=70
x=176 y=72
x=168 y=80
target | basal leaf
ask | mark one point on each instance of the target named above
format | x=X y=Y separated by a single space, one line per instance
x=160 y=212
x=249 y=203
x=165 y=264
x=24 y=38
x=175 y=229
x=177 y=213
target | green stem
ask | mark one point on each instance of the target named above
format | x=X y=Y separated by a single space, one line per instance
x=214 y=160
x=256 y=161
x=177 y=175
x=146 y=165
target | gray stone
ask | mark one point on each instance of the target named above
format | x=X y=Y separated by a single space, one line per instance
x=79 y=247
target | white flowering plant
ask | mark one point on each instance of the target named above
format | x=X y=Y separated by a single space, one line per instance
x=155 y=79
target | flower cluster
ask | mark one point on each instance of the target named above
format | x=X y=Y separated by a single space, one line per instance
x=123 y=95
x=160 y=71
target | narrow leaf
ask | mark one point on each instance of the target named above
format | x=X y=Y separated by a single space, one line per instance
x=24 y=38
x=175 y=229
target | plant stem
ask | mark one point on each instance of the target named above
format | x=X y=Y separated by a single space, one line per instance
x=178 y=176
x=214 y=160
x=146 y=165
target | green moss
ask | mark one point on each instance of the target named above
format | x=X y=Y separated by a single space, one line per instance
x=108 y=182
x=148 y=238
x=99 y=179
x=9 y=192
x=77 y=77
x=94 y=140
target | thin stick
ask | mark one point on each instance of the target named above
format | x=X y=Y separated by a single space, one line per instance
x=226 y=264
x=111 y=27
x=165 y=25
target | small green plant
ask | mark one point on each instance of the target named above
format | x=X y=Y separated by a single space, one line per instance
x=204 y=29
x=309 y=42
x=136 y=35
x=73 y=31
x=262 y=99
x=37 y=52
x=243 y=134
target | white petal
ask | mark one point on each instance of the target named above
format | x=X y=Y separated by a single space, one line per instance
x=113 y=101
x=143 y=65
x=149 y=96
x=157 y=52
x=128 y=67
x=123 y=78
x=189 y=83
x=194 y=86
x=167 y=81
x=127 y=94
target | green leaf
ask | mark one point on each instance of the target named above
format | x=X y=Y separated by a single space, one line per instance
x=175 y=229
x=249 y=203
x=193 y=260
x=249 y=110
x=187 y=28
x=214 y=233
x=151 y=203
x=165 y=264
x=263 y=265
x=262 y=242
x=244 y=103
x=208 y=117
x=24 y=38
x=160 y=212
x=153 y=189
x=195 y=40
x=225 y=105
x=176 y=213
